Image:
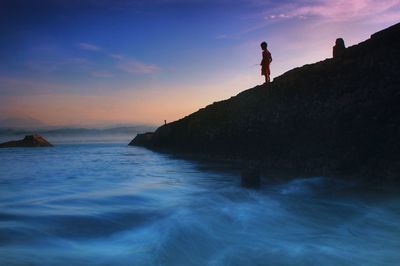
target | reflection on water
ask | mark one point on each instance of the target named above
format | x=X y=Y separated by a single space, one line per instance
x=109 y=204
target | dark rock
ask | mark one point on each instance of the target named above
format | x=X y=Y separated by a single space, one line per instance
x=335 y=117
x=250 y=177
x=29 y=141
x=339 y=48
x=144 y=139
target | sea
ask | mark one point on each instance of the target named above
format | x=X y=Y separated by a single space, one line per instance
x=106 y=203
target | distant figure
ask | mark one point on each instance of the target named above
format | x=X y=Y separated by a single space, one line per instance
x=265 y=62
x=338 y=49
x=165 y=122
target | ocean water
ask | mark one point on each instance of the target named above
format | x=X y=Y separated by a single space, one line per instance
x=110 y=204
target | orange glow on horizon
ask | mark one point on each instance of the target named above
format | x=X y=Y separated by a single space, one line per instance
x=151 y=106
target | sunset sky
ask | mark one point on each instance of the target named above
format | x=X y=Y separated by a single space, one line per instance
x=135 y=61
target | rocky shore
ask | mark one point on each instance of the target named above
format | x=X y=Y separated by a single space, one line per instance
x=335 y=117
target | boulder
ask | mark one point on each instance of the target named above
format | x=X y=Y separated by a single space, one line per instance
x=142 y=139
x=29 y=141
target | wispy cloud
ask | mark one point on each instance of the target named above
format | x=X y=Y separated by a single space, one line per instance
x=89 y=46
x=133 y=66
x=48 y=66
x=117 y=56
x=339 y=10
x=119 y=62
x=320 y=12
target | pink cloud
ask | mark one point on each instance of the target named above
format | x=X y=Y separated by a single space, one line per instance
x=339 y=10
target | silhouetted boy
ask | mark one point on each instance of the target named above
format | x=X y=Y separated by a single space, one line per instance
x=265 y=62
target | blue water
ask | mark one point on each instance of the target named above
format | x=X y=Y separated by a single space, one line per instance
x=110 y=204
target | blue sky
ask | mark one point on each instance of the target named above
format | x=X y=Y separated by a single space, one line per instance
x=94 y=62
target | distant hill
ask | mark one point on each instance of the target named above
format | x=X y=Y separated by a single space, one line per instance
x=124 y=130
x=22 y=122
x=335 y=117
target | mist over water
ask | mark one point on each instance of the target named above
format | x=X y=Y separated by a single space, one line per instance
x=110 y=204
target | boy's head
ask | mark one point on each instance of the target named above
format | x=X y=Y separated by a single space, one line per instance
x=264 y=45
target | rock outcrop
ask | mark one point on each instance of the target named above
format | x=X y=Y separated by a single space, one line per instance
x=29 y=141
x=335 y=117
x=142 y=139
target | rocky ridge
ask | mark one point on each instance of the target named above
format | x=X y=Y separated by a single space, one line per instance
x=335 y=117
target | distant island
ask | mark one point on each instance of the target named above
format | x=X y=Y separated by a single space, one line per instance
x=29 y=141
x=77 y=134
x=337 y=117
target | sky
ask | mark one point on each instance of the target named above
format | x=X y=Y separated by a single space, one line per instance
x=94 y=62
